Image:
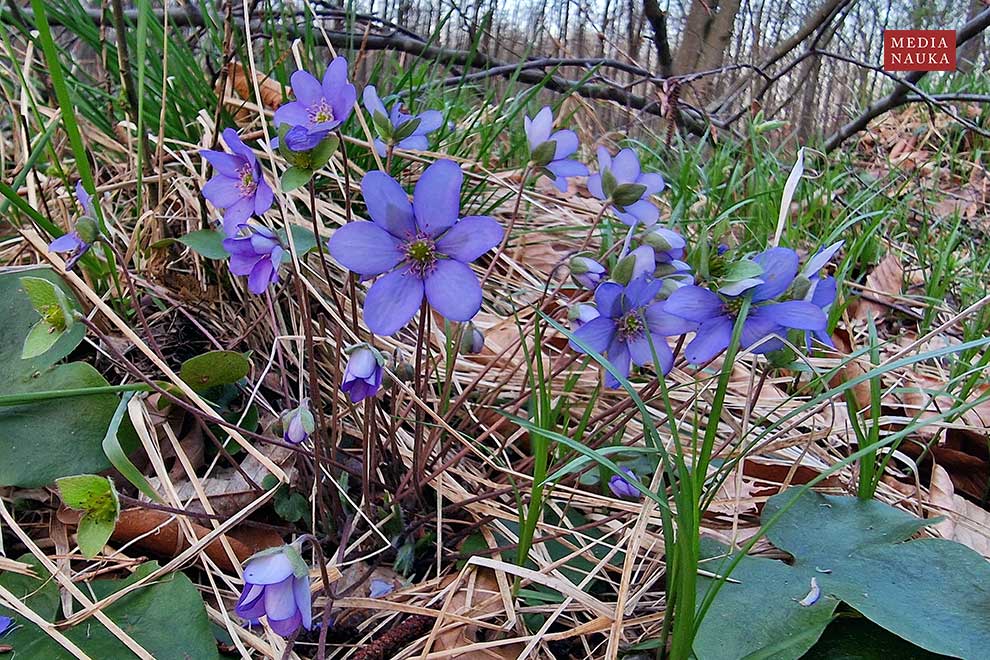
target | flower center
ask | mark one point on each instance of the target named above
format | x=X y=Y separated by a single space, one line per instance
x=732 y=305
x=247 y=185
x=321 y=112
x=630 y=325
x=421 y=252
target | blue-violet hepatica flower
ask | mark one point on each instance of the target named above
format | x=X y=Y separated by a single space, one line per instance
x=78 y=241
x=716 y=314
x=6 y=623
x=319 y=107
x=276 y=585
x=256 y=256
x=363 y=374
x=238 y=185
x=586 y=272
x=630 y=321
x=419 y=249
x=620 y=487
x=550 y=151
x=401 y=129
x=298 y=423
x=581 y=313
x=620 y=182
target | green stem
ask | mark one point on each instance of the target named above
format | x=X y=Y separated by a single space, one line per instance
x=45 y=395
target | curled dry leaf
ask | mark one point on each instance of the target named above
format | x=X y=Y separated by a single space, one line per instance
x=473 y=598
x=158 y=534
x=886 y=280
x=964 y=521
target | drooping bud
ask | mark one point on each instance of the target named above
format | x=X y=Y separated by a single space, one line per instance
x=639 y=262
x=586 y=272
x=298 y=423
x=581 y=313
x=363 y=375
x=472 y=340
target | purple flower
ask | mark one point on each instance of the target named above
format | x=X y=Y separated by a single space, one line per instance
x=6 y=623
x=618 y=177
x=238 y=186
x=363 y=375
x=298 y=423
x=420 y=248
x=550 y=151
x=78 y=241
x=581 y=313
x=257 y=255
x=620 y=487
x=301 y=138
x=586 y=272
x=716 y=314
x=318 y=106
x=472 y=340
x=276 y=585
x=821 y=290
x=410 y=137
x=629 y=321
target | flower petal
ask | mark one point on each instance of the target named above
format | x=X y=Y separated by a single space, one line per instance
x=372 y=103
x=625 y=166
x=237 y=214
x=388 y=204
x=304 y=600
x=780 y=266
x=263 y=197
x=267 y=569
x=654 y=183
x=596 y=333
x=414 y=143
x=566 y=167
x=662 y=322
x=224 y=163
x=365 y=248
x=306 y=87
x=437 y=197
x=712 y=338
x=261 y=276
x=539 y=128
x=608 y=298
x=595 y=186
x=66 y=243
x=453 y=290
x=87 y=200
x=429 y=121
x=251 y=604
x=567 y=143
x=285 y=627
x=342 y=100
x=758 y=325
x=824 y=292
x=470 y=238
x=797 y=314
x=821 y=259
x=618 y=356
x=645 y=212
x=335 y=75
x=642 y=354
x=234 y=143
x=293 y=114
x=694 y=303
x=222 y=191
x=604 y=159
x=392 y=301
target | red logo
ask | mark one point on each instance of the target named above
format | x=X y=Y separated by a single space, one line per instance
x=919 y=50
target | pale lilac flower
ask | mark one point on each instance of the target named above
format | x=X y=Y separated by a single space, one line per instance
x=622 y=173
x=416 y=139
x=319 y=106
x=276 y=585
x=586 y=272
x=363 y=374
x=78 y=241
x=380 y=588
x=298 y=423
x=581 y=313
x=420 y=249
x=630 y=321
x=256 y=256
x=6 y=623
x=472 y=340
x=238 y=186
x=620 y=487
x=551 y=151
x=716 y=314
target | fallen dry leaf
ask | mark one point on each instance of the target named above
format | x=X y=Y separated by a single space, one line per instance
x=886 y=278
x=964 y=521
x=473 y=598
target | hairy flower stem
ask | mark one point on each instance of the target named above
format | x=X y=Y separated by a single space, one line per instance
x=422 y=355
x=508 y=230
x=591 y=230
x=625 y=244
x=388 y=158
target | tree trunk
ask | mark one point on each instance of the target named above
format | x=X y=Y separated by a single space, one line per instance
x=968 y=57
x=706 y=37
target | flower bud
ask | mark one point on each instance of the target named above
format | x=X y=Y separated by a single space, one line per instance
x=620 y=487
x=363 y=375
x=586 y=272
x=581 y=313
x=87 y=229
x=639 y=262
x=298 y=423
x=472 y=340
x=666 y=242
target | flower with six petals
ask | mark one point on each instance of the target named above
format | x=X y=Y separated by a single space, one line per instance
x=238 y=186
x=551 y=150
x=620 y=176
x=256 y=256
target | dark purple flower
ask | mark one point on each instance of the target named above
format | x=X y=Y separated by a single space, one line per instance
x=581 y=313
x=429 y=121
x=276 y=585
x=363 y=375
x=78 y=241
x=623 y=170
x=319 y=106
x=257 y=256
x=586 y=272
x=630 y=319
x=620 y=487
x=551 y=150
x=238 y=186
x=716 y=314
x=420 y=248
x=298 y=423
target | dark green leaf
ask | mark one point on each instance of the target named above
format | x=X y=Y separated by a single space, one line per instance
x=206 y=242
x=295 y=177
x=214 y=368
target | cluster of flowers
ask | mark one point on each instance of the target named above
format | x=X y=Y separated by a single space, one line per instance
x=419 y=254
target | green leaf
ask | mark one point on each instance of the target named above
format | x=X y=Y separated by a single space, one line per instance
x=930 y=592
x=382 y=125
x=117 y=456
x=321 y=153
x=97 y=497
x=214 y=368
x=743 y=270
x=543 y=153
x=626 y=194
x=295 y=177
x=206 y=242
x=40 y=292
x=39 y=592
x=856 y=638
x=149 y=615
x=408 y=128
x=302 y=238
x=40 y=338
